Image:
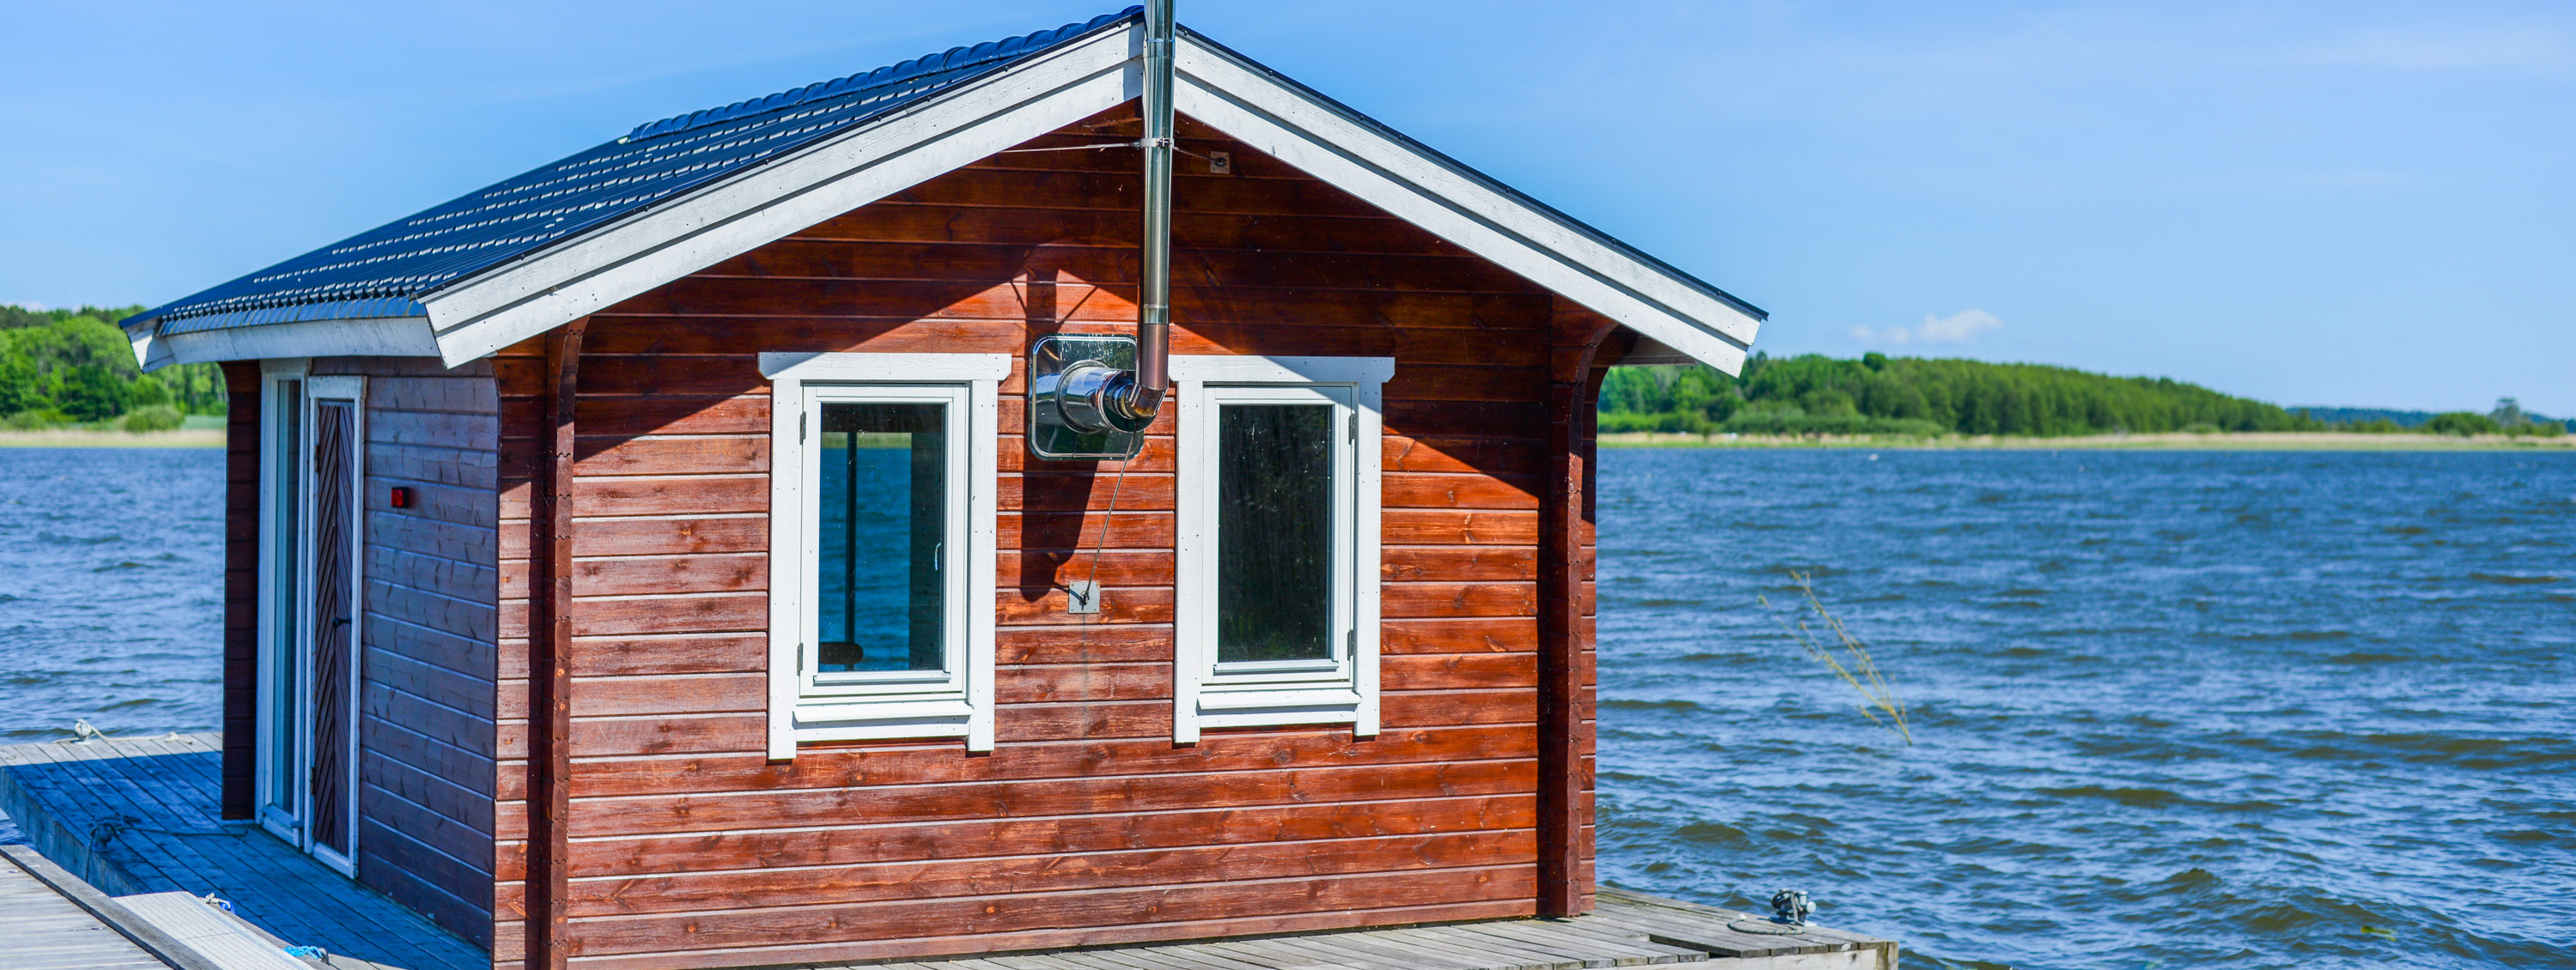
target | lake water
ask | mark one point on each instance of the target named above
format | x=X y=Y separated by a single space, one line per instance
x=2171 y=709
x=111 y=591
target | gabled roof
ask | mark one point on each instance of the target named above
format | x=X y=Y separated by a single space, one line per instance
x=384 y=271
x=674 y=196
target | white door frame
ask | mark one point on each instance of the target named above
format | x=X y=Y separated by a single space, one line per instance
x=285 y=725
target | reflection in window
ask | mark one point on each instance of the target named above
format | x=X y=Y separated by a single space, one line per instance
x=286 y=485
x=1274 y=532
x=883 y=516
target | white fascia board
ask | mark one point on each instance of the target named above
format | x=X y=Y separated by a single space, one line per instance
x=1355 y=155
x=150 y=353
x=781 y=196
x=370 y=337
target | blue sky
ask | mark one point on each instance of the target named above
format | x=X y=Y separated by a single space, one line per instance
x=2327 y=203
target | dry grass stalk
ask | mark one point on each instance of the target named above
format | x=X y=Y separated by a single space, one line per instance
x=1879 y=700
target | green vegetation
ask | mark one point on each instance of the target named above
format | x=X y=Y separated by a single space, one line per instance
x=1878 y=697
x=2508 y=418
x=61 y=368
x=1881 y=395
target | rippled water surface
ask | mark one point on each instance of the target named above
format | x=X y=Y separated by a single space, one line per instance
x=2171 y=708
x=111 y=590
x=111 y=586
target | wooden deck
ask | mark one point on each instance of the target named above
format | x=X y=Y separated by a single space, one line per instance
x=1626 y=930
x=46 y=930
x=138 y=816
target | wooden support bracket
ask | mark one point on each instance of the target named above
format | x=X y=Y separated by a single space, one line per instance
x=549 y=656
x=1565 y=630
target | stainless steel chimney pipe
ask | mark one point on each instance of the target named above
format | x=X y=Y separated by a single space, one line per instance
x=1142 y=398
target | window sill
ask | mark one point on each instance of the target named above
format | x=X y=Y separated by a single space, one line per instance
x=1222 y=708
x=893 y=718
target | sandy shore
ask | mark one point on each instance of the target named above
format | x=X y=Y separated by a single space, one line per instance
x=86 y=438
x=2176 y=441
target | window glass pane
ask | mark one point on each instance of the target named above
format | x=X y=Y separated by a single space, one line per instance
x=883 y=470
x=1274 y=532
x=286 y=481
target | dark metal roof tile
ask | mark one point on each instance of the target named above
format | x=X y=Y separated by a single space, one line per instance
x=385 y=271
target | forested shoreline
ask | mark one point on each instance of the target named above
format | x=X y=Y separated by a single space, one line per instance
x=74 y=368
x=1925 y=397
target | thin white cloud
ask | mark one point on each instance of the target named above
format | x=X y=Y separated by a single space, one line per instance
x=1962 y=327
x=2537 y=47
x=1958 y=328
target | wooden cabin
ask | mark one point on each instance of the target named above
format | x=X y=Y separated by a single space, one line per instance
x=645 y=561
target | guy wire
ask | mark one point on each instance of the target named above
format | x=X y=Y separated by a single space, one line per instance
x=1106 y=519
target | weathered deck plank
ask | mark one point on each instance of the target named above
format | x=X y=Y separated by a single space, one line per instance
x=161 y=794
x=48 y=932
x=1626 y=930
x=162 y=774
x=159 y=801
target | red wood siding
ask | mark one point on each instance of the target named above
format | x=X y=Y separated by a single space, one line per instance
x=1086 y=825
x=427 y=675
x=520 y=379
x=241 y=589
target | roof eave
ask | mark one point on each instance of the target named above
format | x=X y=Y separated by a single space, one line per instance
x=1462 y=168
x=364 y=323
x=1382 y=167
x=601 y=266
x=405 y=336
x=589 y=271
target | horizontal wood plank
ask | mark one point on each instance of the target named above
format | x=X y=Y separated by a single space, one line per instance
x=984 y=838
x=925 y=763
x=1052 y=873
x=1097 y=907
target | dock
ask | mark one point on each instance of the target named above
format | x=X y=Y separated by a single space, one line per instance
x=1625 y=930
x=139 y=817
x=48 y=929
x=138 y=820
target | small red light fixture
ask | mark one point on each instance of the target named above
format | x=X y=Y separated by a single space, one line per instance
x=401 y=497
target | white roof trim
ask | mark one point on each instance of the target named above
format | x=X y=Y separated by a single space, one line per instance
x=367 y=337
x=1358 y=156
x=770 y=201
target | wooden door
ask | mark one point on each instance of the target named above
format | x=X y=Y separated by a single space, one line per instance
x=312 y=474
x=334 y=623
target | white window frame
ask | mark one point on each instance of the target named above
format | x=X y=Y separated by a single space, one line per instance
x=956 y=702
x=273 y=374
x=1207 y=694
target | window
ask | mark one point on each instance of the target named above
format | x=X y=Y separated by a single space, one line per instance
x=1276 y=599
x=881 y=505
x=882 y=546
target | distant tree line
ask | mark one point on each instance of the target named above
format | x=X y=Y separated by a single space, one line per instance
x=73 y=367
x=1877 y=394
x=2507 y=418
